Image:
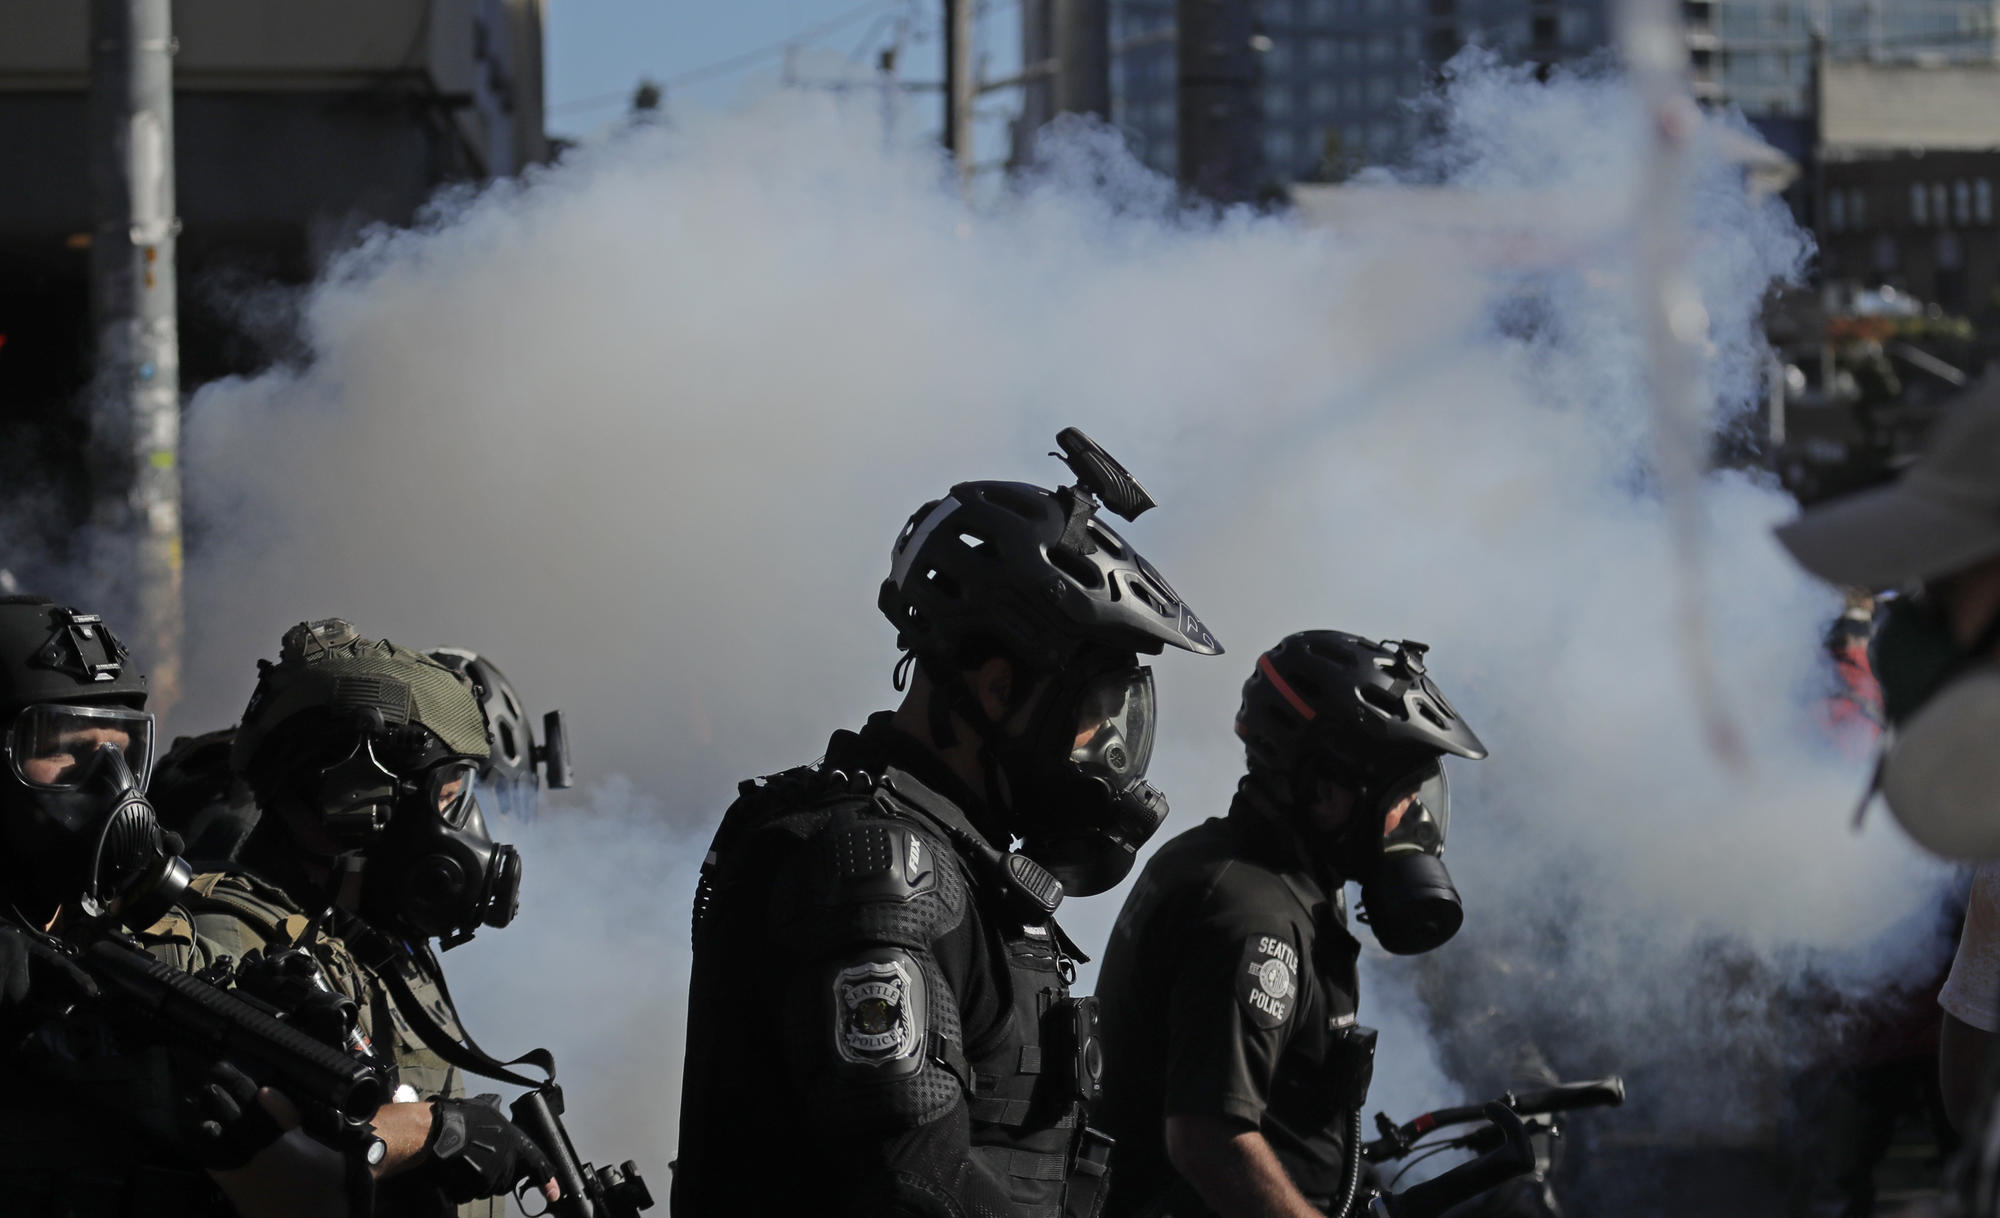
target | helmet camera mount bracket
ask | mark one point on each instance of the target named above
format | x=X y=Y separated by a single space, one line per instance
x=93 y=653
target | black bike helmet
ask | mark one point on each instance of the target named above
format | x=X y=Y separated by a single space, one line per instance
x=1368 y=707
x=1035 y=571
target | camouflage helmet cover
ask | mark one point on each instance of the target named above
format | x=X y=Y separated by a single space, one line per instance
x=327 y=665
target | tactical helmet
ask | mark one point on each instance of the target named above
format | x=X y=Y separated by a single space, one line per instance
x=52 y=654
x=1369 y=708
x=326 y=666
x=1033 y=570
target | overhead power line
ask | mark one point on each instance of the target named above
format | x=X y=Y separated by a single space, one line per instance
x=744 y=59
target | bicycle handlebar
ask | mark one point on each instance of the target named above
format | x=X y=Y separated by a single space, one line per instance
x=1396 y=1140
x=1514 y=1157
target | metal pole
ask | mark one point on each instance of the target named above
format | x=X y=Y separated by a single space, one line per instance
x=134 y=397
x=961 y=90
x=1083 y=52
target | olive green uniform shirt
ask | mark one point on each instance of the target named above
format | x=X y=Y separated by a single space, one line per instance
x=236 y=913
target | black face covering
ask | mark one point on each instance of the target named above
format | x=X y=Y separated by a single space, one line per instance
x=1407 y=897
x=1075 y=780
x=89 y=835
x=431 y=868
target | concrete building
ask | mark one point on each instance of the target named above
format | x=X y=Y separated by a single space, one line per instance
x=297 y=125
x=1908 y=160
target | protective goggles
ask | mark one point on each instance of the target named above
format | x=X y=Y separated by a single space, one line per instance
x=1114 y=727
x=51 y=745
x=1416 y=811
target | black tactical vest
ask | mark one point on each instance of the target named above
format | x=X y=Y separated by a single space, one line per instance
x=1027 y=1067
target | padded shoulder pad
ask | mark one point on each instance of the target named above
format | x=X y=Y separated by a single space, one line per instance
x=873 y=879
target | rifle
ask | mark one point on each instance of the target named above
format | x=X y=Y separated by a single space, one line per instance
x=587 y=1192
x=160 y=1003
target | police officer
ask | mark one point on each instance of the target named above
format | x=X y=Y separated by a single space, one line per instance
x=879 y=1015
x=1234 y=1070
x=369 y=842
x=95 y=1120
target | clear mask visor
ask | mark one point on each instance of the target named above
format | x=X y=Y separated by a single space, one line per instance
x=1416 y=813
x=1114 y=727
x=51 y=746
x=449 y=787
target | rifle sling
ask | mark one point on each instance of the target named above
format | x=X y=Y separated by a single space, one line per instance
x=461 y=1051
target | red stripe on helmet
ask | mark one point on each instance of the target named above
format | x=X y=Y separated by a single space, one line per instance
x=1291 y=695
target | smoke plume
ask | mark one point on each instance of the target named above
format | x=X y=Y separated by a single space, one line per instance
x=643 y=426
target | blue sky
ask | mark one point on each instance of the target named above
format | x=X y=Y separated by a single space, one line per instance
x=599 y=49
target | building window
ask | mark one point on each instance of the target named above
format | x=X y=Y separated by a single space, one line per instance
x=1961 y=201
x=1381 y=91
x=1836 y=211
x=1982 y=201
x=1278 y=100
x=1321 y=51
x=1542 y=32
x=1919 y=204
x=1382 y=48
x=1278 y=60
x=1938 y=213
x=1321 y=98
x=1350 y=93
x=1857 y=207
x=1279 y=150
x=1350 y=50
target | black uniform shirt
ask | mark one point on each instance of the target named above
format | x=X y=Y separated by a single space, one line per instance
x=1227 y=990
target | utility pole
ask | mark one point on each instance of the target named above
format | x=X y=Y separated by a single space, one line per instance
x=134 y=401
x=1221 y=110
x=960 y=89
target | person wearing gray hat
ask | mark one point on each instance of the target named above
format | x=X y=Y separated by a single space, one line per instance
x=1934 y=537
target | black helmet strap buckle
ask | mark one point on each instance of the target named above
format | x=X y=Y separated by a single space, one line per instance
x=93 y=652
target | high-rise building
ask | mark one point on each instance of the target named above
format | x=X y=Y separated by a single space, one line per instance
x=1339 y=75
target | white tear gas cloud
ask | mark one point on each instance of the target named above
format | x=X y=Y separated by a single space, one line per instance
x=643 y=428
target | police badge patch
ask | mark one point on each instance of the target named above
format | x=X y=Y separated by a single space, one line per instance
x=877 y=1018
x=1267 y=982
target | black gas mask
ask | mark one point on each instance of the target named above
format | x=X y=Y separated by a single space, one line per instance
x=1083 y=807
x=79 y=812
x=430 y=867
x=1396 y=851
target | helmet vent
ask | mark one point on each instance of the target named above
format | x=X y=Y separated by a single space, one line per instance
x=972 y=540
x=944 y=583
x=1429 y=712
x=1102 y=536
x=1382 y=700
x=1077 y=567
x=509 y=750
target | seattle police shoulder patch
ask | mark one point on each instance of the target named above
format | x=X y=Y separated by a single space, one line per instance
x=1267 y=980
x=878 y=1012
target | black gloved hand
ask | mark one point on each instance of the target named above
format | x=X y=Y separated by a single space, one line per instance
x=223 y=1120
x=477 y=1153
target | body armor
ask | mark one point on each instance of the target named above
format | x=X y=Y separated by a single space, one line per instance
x=997 y=1032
